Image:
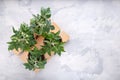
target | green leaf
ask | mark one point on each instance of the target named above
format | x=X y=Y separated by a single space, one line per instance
x=46 y=13
x=10 y=47
x=41 y=64
x=28 y=66
x=14 y=30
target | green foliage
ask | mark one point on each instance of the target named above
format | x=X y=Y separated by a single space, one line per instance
x=36 y=60
x=53 y=43
x=41 y=24
x=25 y=40
x=22 y=38
x=46 y=13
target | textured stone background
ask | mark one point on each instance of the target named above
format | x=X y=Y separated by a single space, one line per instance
x=93 y=52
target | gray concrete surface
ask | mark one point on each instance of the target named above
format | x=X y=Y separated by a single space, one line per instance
x=93 y=52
